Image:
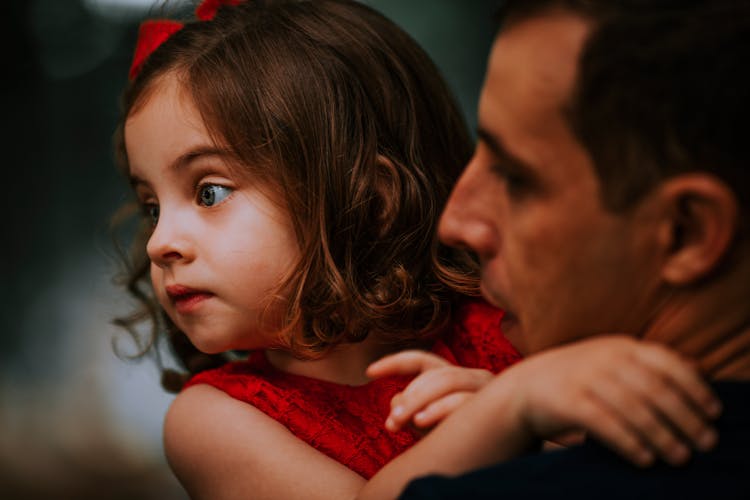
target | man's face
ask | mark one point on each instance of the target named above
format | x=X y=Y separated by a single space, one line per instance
x=529 y=201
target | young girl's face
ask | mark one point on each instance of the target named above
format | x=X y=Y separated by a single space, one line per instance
x=219 y=246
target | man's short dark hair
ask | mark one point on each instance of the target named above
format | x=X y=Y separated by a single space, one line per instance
x=663 y=87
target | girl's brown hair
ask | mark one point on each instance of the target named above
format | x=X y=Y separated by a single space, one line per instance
x=341 y=115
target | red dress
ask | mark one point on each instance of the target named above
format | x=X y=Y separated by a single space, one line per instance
x=347 y=422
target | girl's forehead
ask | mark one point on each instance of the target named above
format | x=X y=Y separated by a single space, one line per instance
x=166 y=127
x=170 y=86
x=165 y=102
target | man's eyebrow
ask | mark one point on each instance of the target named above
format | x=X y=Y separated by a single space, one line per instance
x=495 y=145
x=186 y=159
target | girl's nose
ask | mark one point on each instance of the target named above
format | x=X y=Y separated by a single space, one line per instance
x=169 y=243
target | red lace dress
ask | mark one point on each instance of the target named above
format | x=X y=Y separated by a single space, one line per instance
x=347 y=422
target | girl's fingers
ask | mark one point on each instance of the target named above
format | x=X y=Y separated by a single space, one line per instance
x=423 y=390
x=396 y=420
x=434 y=384
x=431 y=386
x=438 y=410
x=405 y=363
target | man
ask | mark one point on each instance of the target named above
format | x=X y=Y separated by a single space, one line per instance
x=609 y=192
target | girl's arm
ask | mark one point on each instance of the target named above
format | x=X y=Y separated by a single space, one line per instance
x=439 y=388
x=221 y=448
x=639 y=398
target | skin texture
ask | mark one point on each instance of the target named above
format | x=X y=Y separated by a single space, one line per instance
x=529 y=204
x=441 y=388
x=529 y=267
x=236 y=250
x=210 y=438
x=530 y=190
x=630 y=394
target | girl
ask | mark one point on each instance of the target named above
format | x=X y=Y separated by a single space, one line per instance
x=291 y=158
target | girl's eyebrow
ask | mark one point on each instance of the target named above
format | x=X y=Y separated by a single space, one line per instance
x=185 y=160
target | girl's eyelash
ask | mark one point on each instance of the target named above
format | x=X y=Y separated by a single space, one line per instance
x=207 y=194
x=151 y=211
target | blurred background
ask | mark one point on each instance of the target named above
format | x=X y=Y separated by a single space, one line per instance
x=76 y=421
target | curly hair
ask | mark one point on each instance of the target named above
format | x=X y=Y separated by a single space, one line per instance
x=340 y=114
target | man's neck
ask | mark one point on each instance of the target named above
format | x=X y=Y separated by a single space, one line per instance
x=709 y=324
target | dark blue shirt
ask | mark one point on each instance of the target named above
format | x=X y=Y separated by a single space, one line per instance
x=590 y=471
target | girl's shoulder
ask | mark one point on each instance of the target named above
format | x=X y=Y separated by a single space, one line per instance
x=475 y=338
x=211 y=439
x=192 y=415
x=343 y=422
x=197 y=431
x=256 y=381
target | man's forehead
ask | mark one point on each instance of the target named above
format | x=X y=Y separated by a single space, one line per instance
x=530 y=79
x=531 y=74
x=538 y=56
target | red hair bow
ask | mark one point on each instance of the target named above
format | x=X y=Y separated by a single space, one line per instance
x=208 y=8
x=151 y=34
x=155 y=32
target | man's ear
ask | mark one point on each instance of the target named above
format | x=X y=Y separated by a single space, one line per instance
x=702 y=215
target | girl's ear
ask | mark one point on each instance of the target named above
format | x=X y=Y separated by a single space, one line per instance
x=702 y=214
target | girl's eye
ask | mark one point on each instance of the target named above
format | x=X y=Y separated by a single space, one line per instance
x=212 y=194
x=152 y=211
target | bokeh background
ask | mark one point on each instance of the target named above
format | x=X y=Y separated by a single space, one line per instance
x=75 y=420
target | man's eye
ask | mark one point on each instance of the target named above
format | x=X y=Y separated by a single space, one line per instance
x=212 y=194
x=515 y=183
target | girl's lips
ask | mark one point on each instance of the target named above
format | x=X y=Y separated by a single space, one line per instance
x=188 y=303
x=186 y=299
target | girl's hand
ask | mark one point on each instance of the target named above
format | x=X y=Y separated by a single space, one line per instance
x=640 y=398
x=439 y=388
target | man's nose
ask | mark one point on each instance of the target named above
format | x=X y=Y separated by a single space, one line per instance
x=467 y=220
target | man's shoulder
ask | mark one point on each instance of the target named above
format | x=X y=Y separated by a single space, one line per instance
x=591 y=471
